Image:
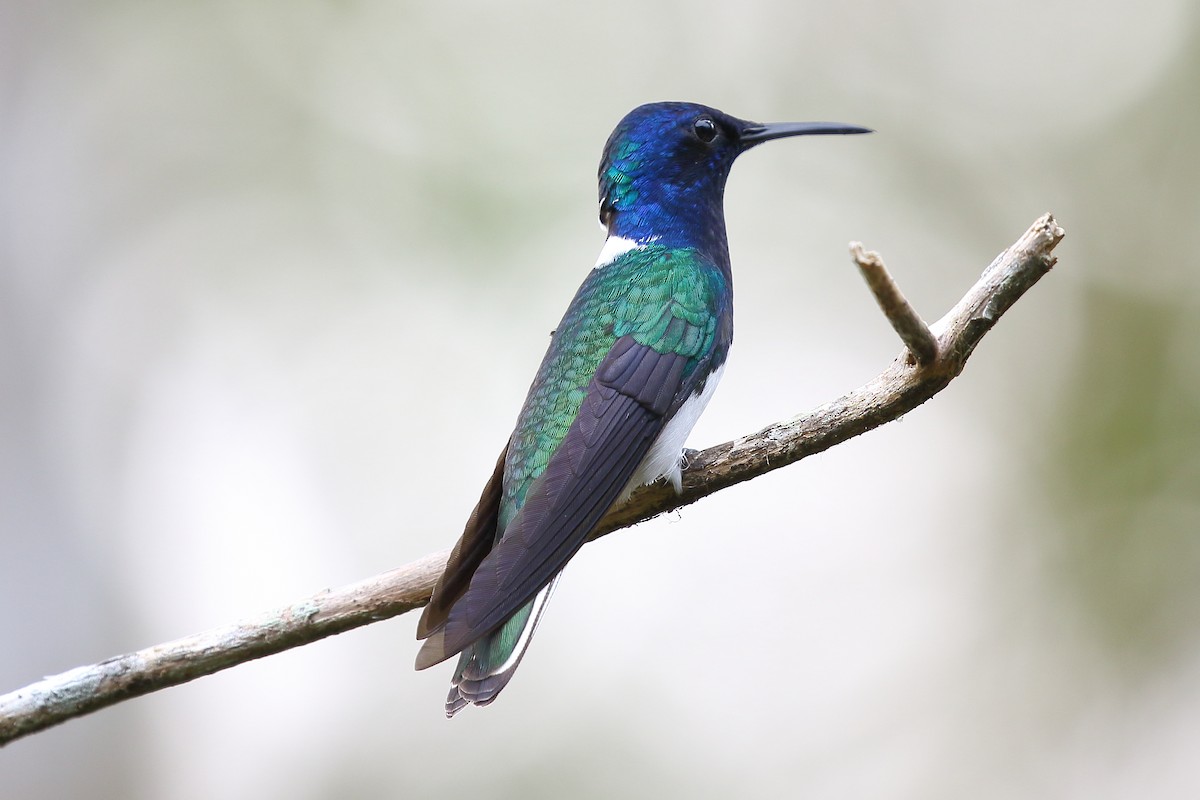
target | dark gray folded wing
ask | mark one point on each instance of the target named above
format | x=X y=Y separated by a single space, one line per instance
x=620 y=417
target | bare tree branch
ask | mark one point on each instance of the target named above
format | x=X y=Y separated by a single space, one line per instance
x=938 y=354
x=908 y=323
x=900 y=388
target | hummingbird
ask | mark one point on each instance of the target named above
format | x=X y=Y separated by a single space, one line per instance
x=629 y=369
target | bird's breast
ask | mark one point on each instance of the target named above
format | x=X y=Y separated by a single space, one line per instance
x=666 y=453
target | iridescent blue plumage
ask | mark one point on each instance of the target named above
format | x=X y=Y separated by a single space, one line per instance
x=629 y=369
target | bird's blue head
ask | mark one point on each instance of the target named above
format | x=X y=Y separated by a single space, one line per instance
x=664 y=169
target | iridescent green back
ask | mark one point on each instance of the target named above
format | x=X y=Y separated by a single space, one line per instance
x=666 y=298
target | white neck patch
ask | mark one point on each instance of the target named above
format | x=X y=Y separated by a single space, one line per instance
x=615 y=246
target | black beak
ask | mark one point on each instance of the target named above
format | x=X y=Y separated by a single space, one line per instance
x=757 y=133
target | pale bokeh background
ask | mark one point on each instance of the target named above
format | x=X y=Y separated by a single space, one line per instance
x=274 y=278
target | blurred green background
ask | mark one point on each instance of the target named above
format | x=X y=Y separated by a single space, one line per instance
x=274 y=278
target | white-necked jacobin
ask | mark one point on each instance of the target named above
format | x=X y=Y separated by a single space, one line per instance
x=629 y=369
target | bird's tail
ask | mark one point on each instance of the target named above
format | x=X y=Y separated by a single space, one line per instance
x=487 y=665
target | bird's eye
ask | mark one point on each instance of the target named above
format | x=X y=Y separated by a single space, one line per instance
x=705 y=129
